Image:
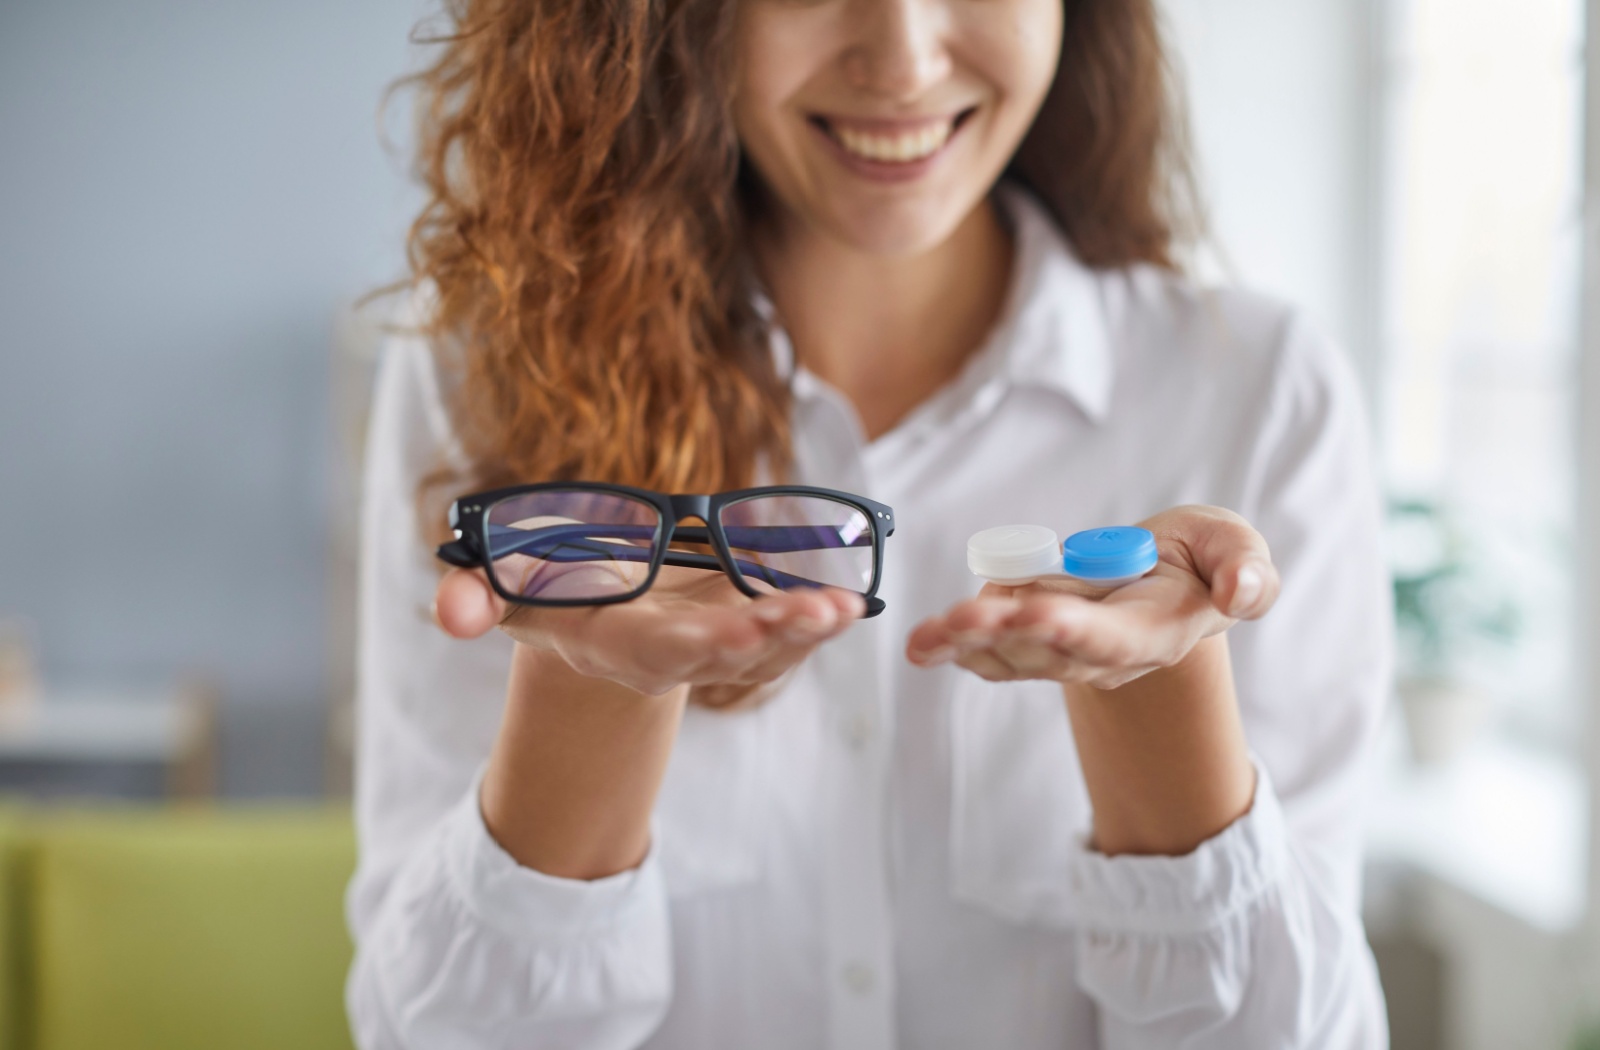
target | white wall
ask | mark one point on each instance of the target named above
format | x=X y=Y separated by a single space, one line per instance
x=1279 y=96
x=187 y=191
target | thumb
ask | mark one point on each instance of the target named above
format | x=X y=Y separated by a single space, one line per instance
x=1233 y=559
x=465 y=606
x=1228 y=555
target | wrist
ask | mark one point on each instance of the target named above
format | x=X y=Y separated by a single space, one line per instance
x=540 y=675
x=1164 y=756
x=574 y=771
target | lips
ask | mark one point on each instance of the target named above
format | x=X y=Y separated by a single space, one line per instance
x=891 y=141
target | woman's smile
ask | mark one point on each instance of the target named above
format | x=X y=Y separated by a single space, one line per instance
x=888 y=150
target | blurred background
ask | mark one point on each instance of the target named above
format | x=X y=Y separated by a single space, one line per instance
x=192 y=198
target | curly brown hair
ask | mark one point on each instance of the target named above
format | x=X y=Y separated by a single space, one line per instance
x=583 y=242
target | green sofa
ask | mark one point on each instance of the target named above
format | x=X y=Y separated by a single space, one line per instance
x=173 y=928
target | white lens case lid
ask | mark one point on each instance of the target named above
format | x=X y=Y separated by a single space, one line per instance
x=1014 y=553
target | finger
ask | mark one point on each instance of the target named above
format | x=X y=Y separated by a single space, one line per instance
x=816 y=613
x=802 y=615
x=792 y=626
x=929 y=642
x=1032 y=654
x=775 y=633
x=974 y=624
x=1043 y=615
x=1228 y=554
x=464 y=604
x=965 y=625
x=776 y=659
x=851 y=606
x=1032 y=639
x=1131 y=633
x=817 y=623
x=1246 y=588
x=985 y=663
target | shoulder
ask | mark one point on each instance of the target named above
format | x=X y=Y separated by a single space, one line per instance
x=1173 y=345
x=1262 y=356
x=413 y=382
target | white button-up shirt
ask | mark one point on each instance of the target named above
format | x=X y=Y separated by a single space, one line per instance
x=886 y=855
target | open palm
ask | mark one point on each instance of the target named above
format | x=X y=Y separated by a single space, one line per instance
x=692 y=627
x=1214 y=569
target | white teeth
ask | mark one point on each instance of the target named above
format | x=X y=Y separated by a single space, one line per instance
x=913 y=145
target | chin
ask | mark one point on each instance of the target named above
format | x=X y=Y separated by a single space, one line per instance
x=893 y=230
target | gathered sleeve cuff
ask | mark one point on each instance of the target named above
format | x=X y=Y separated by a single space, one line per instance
x=1232 y=944
x=1218 y=880
x=472 y=949
x=530 y=905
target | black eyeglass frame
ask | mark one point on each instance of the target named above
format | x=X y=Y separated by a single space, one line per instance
x=470 y=549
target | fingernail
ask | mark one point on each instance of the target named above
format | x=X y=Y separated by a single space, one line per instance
x=1246 y=592
x=768 y=612
x=935 y=656
x=433 y=613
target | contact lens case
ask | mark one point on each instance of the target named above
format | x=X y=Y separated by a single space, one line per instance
x=1017 y=554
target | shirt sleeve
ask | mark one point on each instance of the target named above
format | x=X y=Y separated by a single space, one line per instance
x=1255 y=938
x=456 y=944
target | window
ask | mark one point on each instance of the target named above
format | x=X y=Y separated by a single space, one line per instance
x=1479 y=245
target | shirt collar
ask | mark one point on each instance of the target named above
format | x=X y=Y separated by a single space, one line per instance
x=1052 y=330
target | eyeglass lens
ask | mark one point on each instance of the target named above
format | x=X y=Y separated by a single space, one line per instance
x=571 y=544
x=783 y=542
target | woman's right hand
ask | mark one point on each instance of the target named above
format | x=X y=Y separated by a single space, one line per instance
x=691 y=627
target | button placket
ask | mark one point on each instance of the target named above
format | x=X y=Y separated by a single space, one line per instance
x=858 y=977
x=858 y=729
x=855 y=869
x=854 y=773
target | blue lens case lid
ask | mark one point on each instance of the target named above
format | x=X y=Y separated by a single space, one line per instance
x=1113 y=553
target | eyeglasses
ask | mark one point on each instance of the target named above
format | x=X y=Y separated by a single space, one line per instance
x=579 y=543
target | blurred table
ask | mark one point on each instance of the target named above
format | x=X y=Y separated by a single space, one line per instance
x=98 y=740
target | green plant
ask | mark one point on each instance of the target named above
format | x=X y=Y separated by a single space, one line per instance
x=1587 y=1037
x=1445 y=600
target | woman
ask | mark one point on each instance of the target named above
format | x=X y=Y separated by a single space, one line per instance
x=921 y=251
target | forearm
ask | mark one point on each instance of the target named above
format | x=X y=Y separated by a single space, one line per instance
x=574 y=772
x=1164 y=757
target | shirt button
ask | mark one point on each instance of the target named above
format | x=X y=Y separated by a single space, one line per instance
x=859 y=978
x=857 y=730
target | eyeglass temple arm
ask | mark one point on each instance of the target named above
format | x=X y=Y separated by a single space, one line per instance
x=463 y=553
x=776 y=539
x=569 y=551
x=763 y=539
x=589 y=542
x=755 y=570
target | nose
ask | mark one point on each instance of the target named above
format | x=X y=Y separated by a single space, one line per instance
x=898 y=47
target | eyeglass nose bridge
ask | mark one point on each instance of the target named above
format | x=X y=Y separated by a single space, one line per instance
x=691 y=507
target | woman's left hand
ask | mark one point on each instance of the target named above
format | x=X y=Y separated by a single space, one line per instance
x=1214 y=571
